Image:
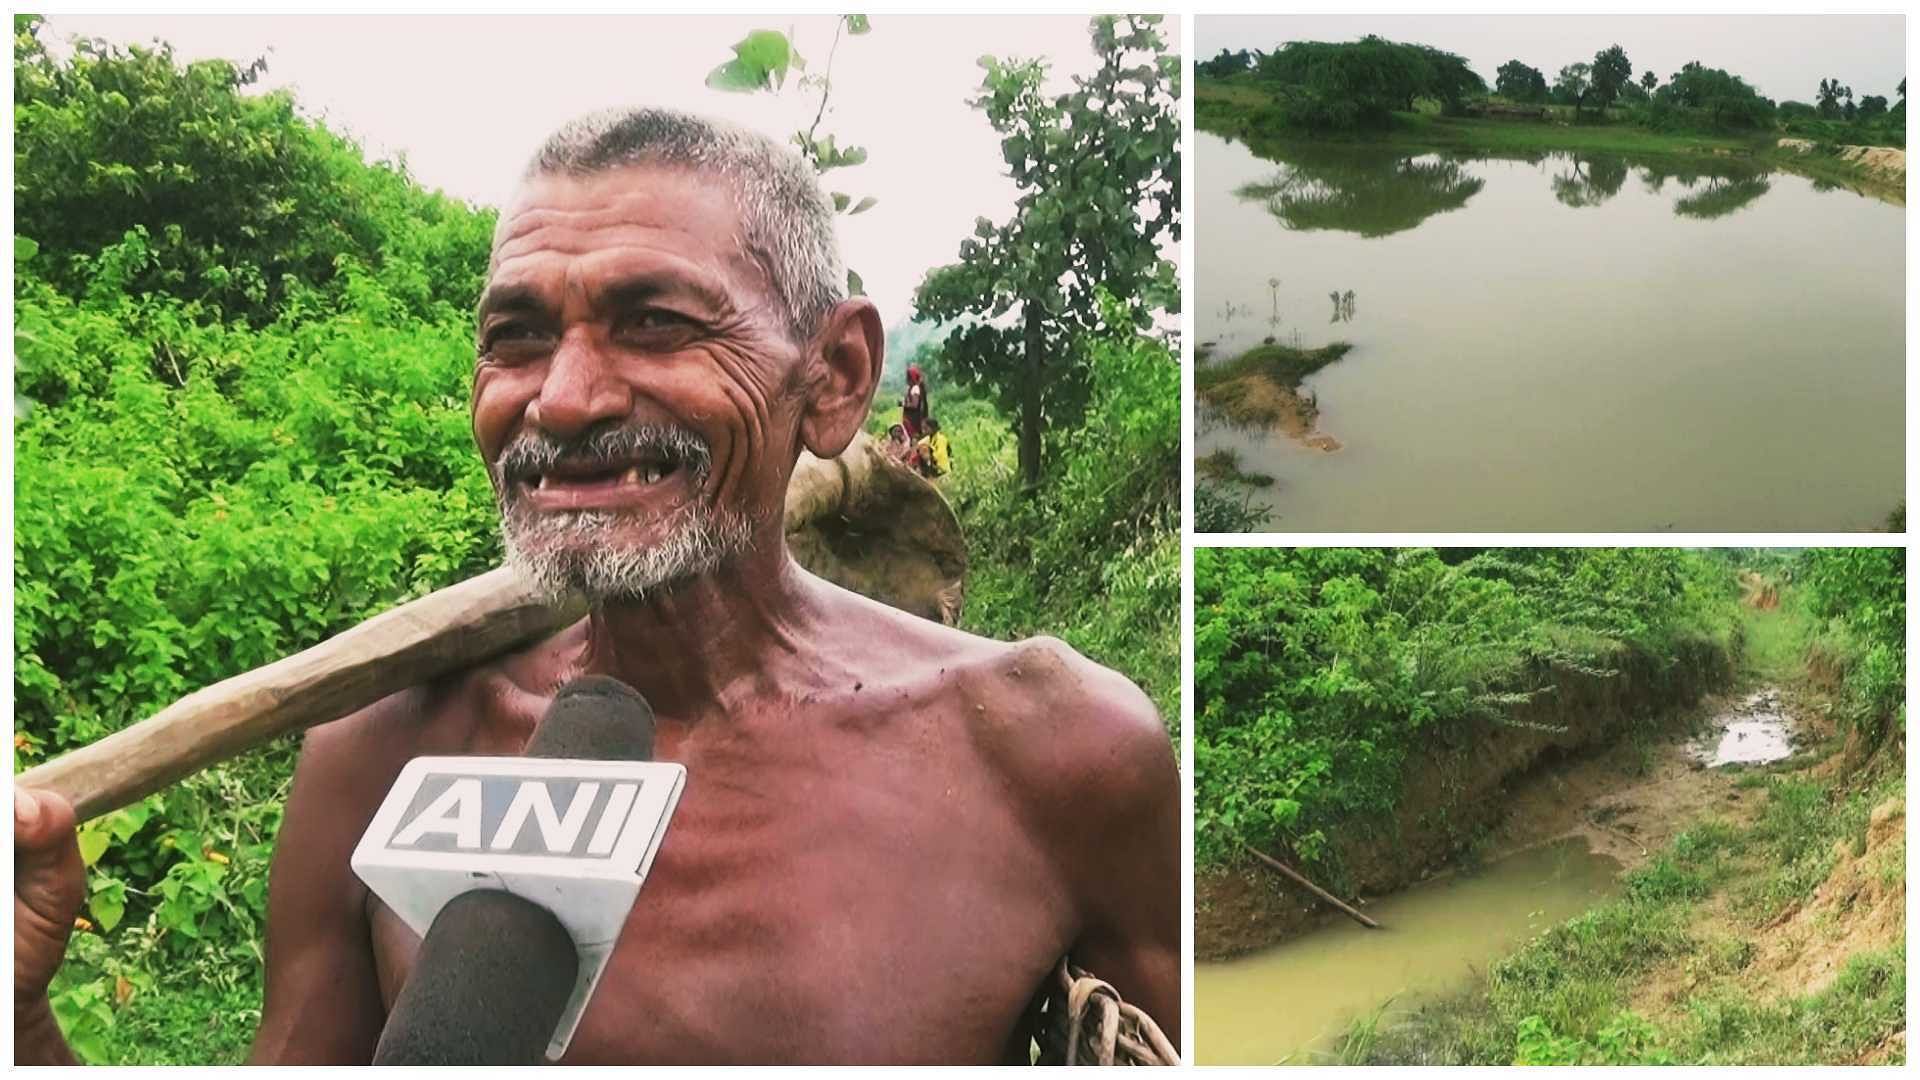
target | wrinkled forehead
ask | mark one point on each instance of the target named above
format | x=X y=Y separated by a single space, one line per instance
x=674 y=214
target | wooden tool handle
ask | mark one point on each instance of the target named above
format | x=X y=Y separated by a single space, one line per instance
x=435 y=635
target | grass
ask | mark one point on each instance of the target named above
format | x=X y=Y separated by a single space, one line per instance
x=1245 y=389
x=1776 y=640
x=1223 y=467
x=200 y=1024
x=1565 y=996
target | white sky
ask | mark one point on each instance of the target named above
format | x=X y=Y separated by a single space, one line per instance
x=1784 y=56
x=467 y=98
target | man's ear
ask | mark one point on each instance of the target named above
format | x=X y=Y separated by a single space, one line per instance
x=844 y=363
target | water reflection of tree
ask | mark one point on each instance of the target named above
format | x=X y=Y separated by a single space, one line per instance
x=1370 y=191
x=1715 y=188
x=1722 y=196
x=1590 y=180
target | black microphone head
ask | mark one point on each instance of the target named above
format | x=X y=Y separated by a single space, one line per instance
x=595 y=717
x=487 y=988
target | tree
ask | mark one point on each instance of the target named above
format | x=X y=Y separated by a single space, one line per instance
x=1516 y=81
x=1648 y=80
x=1830 y=94
x=1611 y=71
x=1225 y=64
x=1573 y=85
x=1726 y=99
x=1098 y=170
x=232 y=198
x=1447 y=78
x=1871 y=106
x=761 y=63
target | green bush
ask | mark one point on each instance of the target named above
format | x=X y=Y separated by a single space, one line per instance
x=1093 y=554
x=1318 y=671
x=1860 y=595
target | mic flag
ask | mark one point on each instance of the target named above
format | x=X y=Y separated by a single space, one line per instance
x=575 y=835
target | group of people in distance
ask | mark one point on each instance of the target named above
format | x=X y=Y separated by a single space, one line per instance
x=917 y=441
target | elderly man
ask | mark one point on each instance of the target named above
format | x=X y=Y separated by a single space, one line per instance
x=892 y=831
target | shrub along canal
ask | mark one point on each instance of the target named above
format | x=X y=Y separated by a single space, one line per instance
x=1562 y=341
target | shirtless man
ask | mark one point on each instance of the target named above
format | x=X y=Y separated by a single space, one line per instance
x=891 y=830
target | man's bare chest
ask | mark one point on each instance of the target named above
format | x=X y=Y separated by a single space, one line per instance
x=859 y=911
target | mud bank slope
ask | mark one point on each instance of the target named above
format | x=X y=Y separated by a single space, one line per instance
x=1882 y=170
x=1493 y=784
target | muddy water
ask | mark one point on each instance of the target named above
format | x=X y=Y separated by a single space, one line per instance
x=1753 y=732
x=1293 y=1002
x=1579 y=343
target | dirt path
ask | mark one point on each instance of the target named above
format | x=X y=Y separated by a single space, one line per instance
x=1632 y=798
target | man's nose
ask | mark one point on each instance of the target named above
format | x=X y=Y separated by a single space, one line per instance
x=582 y=388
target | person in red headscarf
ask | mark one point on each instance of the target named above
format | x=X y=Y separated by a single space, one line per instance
x=913 y=407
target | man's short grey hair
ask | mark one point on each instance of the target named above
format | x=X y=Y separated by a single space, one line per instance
x=786 y=220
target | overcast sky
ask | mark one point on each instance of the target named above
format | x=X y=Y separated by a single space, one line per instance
x=466 y=99
x=1784 y=56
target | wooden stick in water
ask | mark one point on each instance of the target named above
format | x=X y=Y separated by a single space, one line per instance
x=1294 y=876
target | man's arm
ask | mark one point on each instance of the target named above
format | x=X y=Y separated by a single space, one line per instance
x=323 y=1002
x=1101 y=770
x=1129 y=878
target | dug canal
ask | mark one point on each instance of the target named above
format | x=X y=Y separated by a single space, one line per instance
x=1293 y=1003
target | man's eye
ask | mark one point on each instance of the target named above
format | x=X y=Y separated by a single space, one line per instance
x=656 y=323
x=510 y=334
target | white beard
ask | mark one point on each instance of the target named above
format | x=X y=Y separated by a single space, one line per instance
x=572 y=552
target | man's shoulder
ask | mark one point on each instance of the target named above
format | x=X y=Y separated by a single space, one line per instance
x=440 y=715
x=1040 y=710
x=1059 y=718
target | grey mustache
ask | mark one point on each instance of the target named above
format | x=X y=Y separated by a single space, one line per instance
x=535 y=452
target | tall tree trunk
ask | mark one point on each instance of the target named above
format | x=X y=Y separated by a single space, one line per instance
x=1030 y=402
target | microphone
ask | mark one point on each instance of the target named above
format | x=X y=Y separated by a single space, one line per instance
x=519 y=873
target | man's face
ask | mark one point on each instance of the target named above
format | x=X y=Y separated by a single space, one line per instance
x=637 y=393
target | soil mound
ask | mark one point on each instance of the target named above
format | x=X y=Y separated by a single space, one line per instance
x=1860 y=907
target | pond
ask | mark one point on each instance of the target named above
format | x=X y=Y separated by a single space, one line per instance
x=1562 y=342
x=1292 y=1003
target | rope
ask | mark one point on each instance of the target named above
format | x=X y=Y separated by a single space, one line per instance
x=1083 y=1021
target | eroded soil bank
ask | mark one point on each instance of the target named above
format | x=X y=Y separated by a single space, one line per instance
x=1602 y=756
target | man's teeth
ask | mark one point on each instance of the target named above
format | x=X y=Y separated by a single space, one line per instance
x=638 y=474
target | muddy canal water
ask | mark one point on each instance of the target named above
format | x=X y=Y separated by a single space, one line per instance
x=1292 y=1003
x=1568 y=342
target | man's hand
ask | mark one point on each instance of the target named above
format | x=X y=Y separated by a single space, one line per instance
x=49 y=884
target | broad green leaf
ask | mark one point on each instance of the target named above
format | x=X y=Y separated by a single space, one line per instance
x=94 y=840
x=24 y=248
x=767 y=51
x=736 y=77
x=858 y=24
x=865 y=204
x=108 y=903
x=855 y=287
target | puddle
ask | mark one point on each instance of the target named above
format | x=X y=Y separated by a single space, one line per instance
x=1292 y=1003
x=1753 y=732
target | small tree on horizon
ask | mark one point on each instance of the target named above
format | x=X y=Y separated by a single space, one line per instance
x=1610 y=73
x=1573 y=85
x=1516 y=81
